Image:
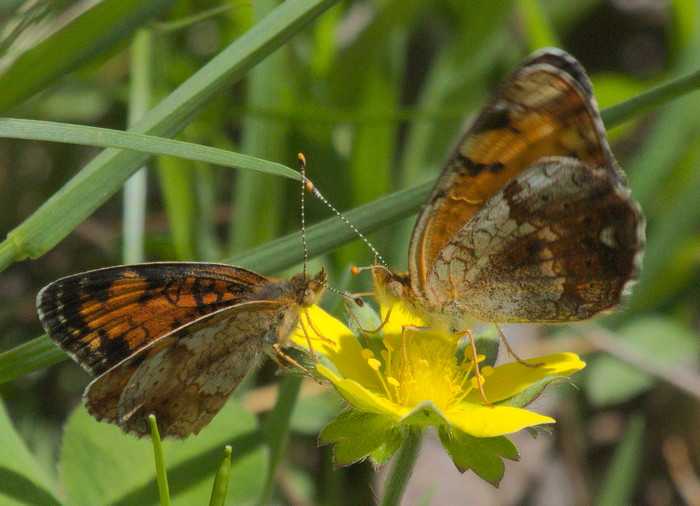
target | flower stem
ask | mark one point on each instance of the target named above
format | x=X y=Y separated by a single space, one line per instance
x=402 y=468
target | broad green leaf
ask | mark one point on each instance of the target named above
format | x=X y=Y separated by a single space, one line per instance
x=531 y=393
x=99 y=464
x=22 y=480
x=357 y=435
x=481 y=455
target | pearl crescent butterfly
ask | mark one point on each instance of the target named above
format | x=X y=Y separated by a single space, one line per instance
x=172 y=339
x=531 y=219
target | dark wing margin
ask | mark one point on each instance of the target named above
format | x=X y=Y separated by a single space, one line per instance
x=103 y=316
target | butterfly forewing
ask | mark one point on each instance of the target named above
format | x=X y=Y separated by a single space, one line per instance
x=102 y=317
x=544 y=109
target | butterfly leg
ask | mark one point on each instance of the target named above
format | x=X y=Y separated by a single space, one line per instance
x=280 y=353
x=316 y=331
x=477 y=374
x=367 y=331
x=512 y=353
x=306 y=335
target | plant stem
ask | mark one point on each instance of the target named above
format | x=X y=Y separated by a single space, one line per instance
x=161 y=475
x=402 y=468
x=276 y=430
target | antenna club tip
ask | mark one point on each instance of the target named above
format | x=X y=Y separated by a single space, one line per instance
x=309 y=186
x=301 y=158
x=354 y=270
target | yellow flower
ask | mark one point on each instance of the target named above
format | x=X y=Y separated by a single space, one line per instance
x=418 y=379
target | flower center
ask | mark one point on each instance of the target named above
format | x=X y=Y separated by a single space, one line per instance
x=423 y=366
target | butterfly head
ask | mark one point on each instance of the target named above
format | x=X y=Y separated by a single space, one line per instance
x=390 y=286
x=308 y=289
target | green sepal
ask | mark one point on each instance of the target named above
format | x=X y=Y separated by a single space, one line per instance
x=426 y=413
x=362 y=319
x=359 y=435
x=532 y=392
x=487 y=343
x=481 y=455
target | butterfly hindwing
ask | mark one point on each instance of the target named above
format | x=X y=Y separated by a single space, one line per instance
x=186 y=378
x=558 y=243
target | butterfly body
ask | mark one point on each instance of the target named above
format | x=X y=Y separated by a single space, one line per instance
x=531 y=219
x=171 y=338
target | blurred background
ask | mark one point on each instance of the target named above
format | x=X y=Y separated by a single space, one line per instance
x=374 y=93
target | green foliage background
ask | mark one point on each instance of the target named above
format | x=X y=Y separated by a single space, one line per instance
x=374 y=93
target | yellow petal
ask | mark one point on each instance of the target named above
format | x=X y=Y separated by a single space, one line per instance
x=345 y=351
x=489 y=422
x=509 y=379
x=362 y=398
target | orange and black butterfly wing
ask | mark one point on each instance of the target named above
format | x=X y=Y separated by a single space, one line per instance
x=186 y=377
x=546 y=108
x=102 y=317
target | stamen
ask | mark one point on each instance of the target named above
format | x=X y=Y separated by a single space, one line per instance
x=375 y=364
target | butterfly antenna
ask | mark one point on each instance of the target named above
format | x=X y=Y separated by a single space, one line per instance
x=311 y=188
x=355 y=270
x=346 y=295
x=302 y=170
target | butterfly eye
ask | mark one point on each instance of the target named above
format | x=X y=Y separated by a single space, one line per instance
x=310 y=295
x=395 y=289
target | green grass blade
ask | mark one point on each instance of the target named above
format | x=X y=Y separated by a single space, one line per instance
x=276 y=431
x=539 y=29
x=136 y=187
x=332 y=233
x=618 y=485
x=220 y=488
x=654 y=97
x=144 y=144
x=30 y=356
x=268 y=83
x=101 y=178
x=176 y=182
x=91 y=34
